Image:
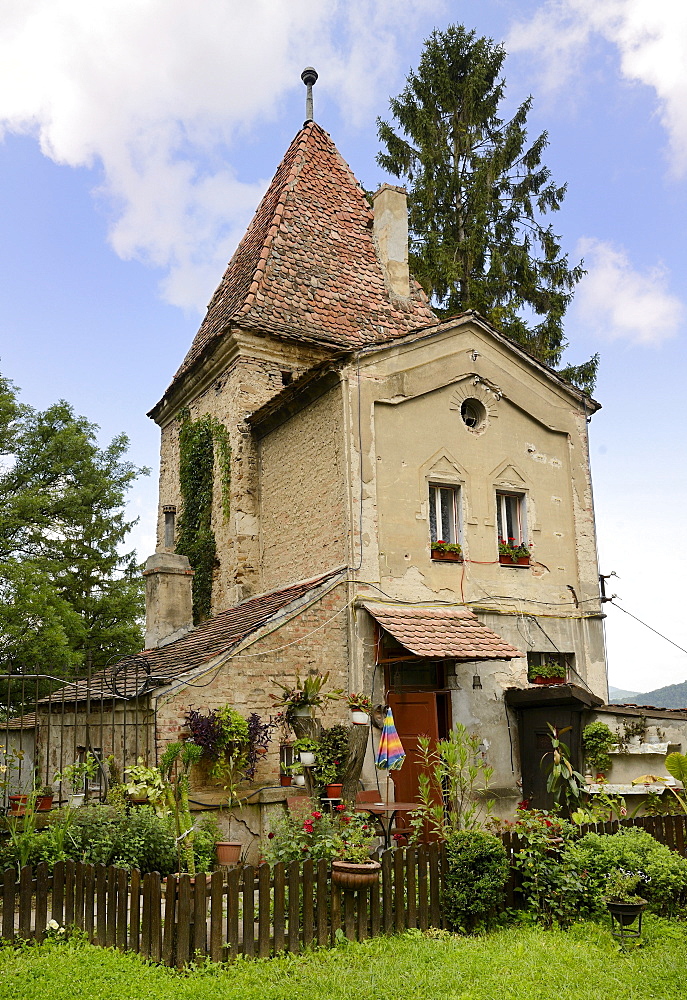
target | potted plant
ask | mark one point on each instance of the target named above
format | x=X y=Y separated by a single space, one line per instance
x=297 y=775
x=146 y=786
x=305 y=696
x=259 y=737
x=306 y=748
x=360 y=708
x=76 y=775
x=285 y=779
x=446 y=551
x=228 y=852
x=550 y=670
x=623 y=902
x=353 y=868
x=512 y=554
x=597 y=740
x=332 y=759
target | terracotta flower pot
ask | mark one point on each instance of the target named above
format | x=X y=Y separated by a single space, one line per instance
x=18 y=804
x=228 y=852
x=44 y=803
x=349 y=875
x=285 y=780
x=334 y=790
x=520 y=561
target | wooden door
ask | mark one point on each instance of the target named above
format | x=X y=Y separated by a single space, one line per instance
x=416 y=713
x=535 y=742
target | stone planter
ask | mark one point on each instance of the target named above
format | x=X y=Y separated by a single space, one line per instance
x=303 y=713
x=349 y=875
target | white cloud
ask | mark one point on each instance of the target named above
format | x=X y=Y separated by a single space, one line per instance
x=159 y=92
x=619 y=302
x=651 y=38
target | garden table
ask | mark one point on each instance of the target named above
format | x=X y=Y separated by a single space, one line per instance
x=385 y=811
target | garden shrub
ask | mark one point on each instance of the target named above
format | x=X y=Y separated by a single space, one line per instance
x=474 y=885
x=103 y=835
x=634 y=850
x=555 y=889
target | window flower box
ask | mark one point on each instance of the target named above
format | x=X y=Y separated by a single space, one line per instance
x=446 y=552
x=511 y=561
x=513 y=553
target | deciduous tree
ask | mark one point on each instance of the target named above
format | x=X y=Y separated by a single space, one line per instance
x=67 y=592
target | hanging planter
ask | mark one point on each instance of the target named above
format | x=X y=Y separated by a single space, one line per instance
x=350 y=875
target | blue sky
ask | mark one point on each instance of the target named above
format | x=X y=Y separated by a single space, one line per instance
x=137 y=139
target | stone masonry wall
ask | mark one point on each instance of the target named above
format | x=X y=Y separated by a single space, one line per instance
x=312 y=640
x=242 y=387
x=302 y=494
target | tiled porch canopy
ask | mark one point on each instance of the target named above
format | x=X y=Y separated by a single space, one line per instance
x=451 y=632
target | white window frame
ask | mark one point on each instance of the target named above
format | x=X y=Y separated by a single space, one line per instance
x=435 y=504
x=519 y=519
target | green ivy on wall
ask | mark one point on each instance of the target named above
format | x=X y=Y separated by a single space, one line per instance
x=196 y=539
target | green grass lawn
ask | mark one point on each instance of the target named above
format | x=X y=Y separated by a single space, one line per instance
x=518 y=963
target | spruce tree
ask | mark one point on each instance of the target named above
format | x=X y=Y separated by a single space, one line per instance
x=477 y=197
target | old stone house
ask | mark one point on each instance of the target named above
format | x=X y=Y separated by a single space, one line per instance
x=362 y=429
x=356 y=431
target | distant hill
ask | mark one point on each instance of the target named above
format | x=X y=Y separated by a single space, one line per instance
x=671 y=696
x=616 y=695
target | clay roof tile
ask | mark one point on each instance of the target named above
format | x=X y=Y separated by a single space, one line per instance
x=313 y=220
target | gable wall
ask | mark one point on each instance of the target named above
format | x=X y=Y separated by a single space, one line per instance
x=534 y=442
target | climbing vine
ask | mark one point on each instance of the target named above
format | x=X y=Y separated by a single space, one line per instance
x=196 y=539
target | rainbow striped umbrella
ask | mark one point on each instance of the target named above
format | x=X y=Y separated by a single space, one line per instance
x=391 y=754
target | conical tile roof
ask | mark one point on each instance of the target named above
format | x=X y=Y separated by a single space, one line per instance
x=307 y=265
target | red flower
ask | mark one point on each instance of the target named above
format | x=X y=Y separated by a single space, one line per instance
x=316 y=815
x=270 y=835
x=308 y=827
x=398 y=836
x=340 y=808
x=548 y=822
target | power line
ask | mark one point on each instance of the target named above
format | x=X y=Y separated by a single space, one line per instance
x=655 y=631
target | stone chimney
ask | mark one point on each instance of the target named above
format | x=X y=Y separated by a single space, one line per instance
x=391 y=236
x=169 y=602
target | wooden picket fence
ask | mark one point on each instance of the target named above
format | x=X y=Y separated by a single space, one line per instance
x=252 y=911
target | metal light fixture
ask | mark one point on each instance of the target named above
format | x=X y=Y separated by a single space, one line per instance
x=476 y=682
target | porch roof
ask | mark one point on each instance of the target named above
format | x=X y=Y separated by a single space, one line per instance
x=444 y=631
